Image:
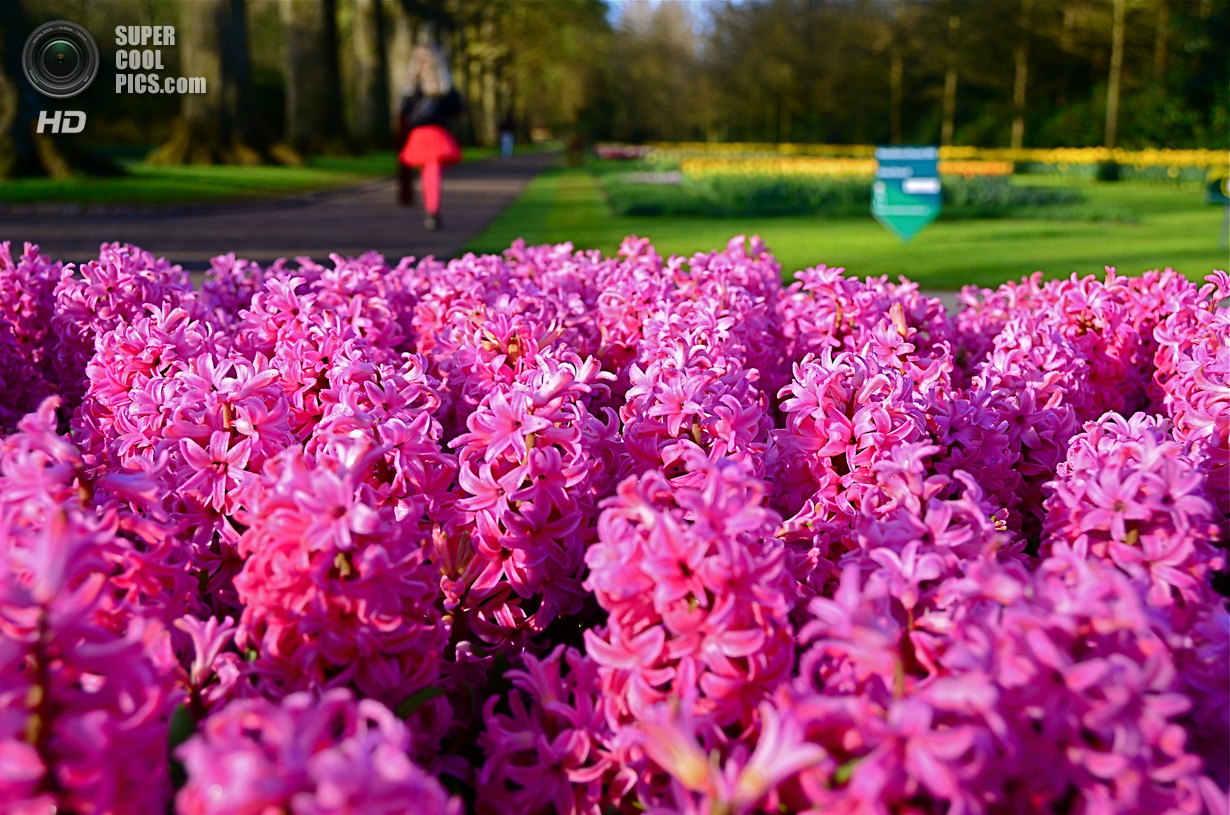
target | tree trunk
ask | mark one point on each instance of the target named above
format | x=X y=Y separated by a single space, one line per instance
x=236 y=64
x=314 y=119
x=8 y=115
x=22 y=151
x=1067 y=35
x=491 y=117
x=894 y=88
x=950 y=81
x=382 y=65
x=1161 y=45
x=371 y=94
x=1021 y=56
x=401 y=44
x=490 y=114
x=459 y=65
x=213 y=127
x=1067 y=44
x=470 y=83
x=1116 y=68
x=332 y=89
x=895 y=42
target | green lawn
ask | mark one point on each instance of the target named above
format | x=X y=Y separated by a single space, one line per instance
x=147 y=185
x=1171 y=227
x=179 y=185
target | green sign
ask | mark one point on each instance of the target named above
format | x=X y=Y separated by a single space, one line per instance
x=905 y=196
x=1217 y=185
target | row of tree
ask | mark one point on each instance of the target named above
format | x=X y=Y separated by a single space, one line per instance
x=983 y=72
x=289 y=77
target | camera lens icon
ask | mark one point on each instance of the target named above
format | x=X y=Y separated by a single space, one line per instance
x=60 y=59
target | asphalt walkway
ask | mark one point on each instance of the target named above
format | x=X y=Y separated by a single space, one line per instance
x=348 y=221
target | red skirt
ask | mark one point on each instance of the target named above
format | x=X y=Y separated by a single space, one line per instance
x=430 y=144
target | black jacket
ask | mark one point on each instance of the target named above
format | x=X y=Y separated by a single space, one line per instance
x=419 y=109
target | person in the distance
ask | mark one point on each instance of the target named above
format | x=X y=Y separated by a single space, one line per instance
x=506 y=135
x=428 y=104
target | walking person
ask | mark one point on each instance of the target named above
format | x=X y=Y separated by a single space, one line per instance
x=506 y=135
x=428 y=104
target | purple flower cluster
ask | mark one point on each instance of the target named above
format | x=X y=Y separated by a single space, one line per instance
x=555 y=532
x=326 y=755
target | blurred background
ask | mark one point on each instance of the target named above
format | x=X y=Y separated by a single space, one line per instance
x=682 y=120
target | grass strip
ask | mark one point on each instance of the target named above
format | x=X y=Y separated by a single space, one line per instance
x=145 y=185
x=1167 y=227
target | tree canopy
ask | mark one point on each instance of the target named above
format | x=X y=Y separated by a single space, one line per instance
x=295 y=76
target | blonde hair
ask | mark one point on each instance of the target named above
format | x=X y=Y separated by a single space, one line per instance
x=428 y=70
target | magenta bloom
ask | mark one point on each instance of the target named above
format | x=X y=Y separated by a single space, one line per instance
x=1130 y=495
x=306 y=756
x=220 y=468
x=87 y=676
x=336 y=592
x=697 y=592
x=550 y=752
x=580 y=534
x=531 y=470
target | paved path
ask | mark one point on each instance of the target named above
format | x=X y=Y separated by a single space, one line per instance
x=348 y=221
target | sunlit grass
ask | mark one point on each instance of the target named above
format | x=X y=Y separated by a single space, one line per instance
x=146 y=185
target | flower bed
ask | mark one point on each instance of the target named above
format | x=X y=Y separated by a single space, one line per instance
x=673 y=152
x=810 y=166
x=621 y=151
x=725 y=191
x=558 y=532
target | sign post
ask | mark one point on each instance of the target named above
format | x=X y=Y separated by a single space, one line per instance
x=905 y=196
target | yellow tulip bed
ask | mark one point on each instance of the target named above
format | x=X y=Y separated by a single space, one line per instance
x=708 y=167
x=673 y=152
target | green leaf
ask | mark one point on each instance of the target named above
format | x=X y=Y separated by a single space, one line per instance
x=407 y=708
x=846 y=770
x=182 y=726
